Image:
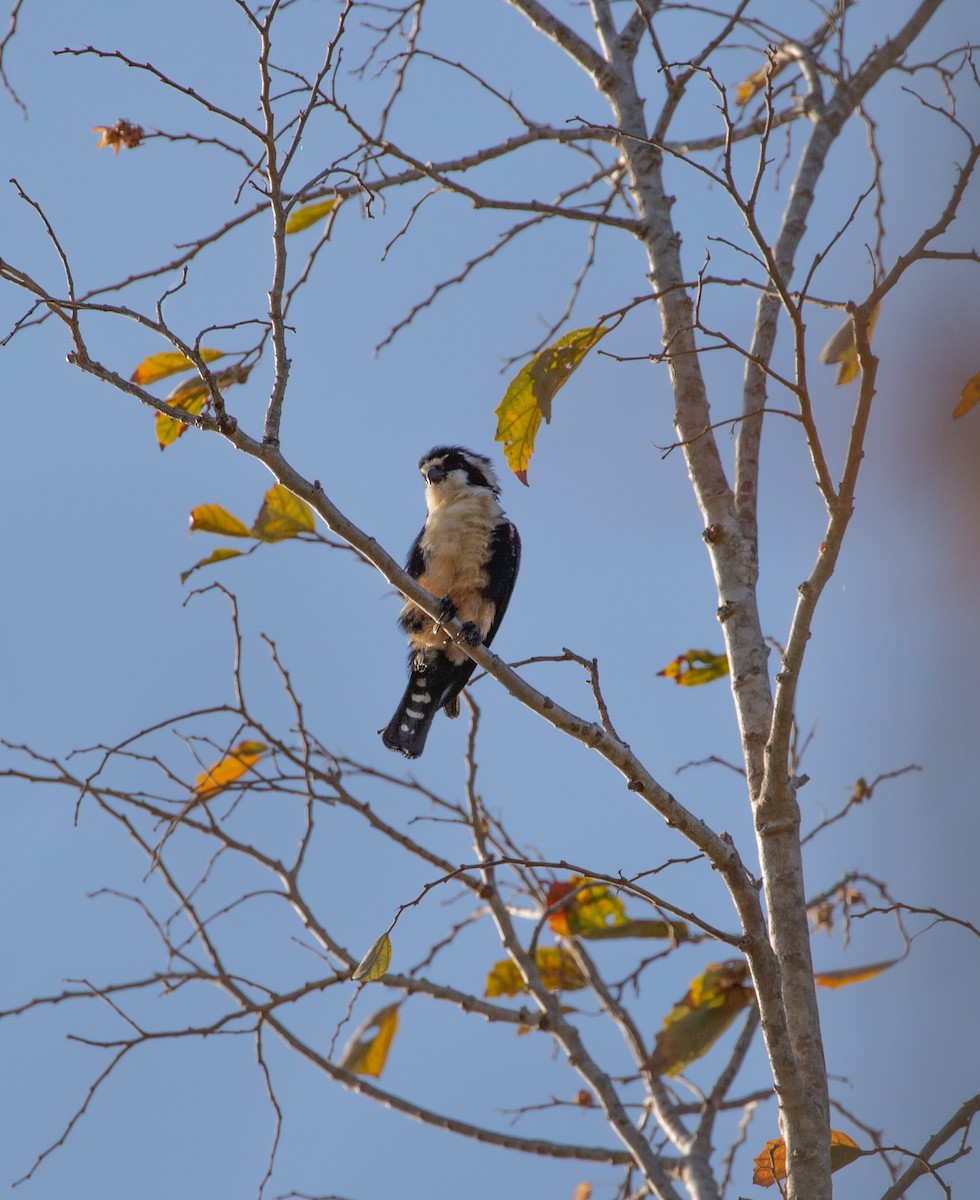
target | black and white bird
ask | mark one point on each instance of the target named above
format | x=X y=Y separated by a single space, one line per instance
x=467 y=553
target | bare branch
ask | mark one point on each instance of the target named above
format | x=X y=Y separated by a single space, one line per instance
x=4 y=44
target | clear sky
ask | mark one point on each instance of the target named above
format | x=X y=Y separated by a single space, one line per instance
x=101 y=639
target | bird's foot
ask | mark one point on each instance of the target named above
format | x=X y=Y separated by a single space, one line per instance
x=447 y=610
x=471 y=634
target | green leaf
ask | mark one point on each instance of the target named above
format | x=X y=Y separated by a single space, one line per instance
x=676 y=931
x=693 y=1026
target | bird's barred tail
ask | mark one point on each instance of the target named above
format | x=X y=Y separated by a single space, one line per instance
x=409 y=727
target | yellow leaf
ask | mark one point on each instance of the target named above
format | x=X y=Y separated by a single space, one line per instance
x=212 y=518
x=375 y=963
x=836 y=979
x=968 y=397
x=759 y=79
x=750 y=85
x=696 y=667
x=692 y=1027
x=170 y=362
x=228 y=769
x=366 y=1055
x=504 y=979
x=309 y=214
x=169 y=429
x=530 y=393
x=842 y=349
x=559 y=973
x=770 y=1165
x=191 y=396
x=282 y=515
x=220 y=555
x=582 y=1192
x=193 y=388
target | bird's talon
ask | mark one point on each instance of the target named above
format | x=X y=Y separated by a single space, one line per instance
x=447 y=610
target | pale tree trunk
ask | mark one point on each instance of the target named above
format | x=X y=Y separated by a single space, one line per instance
x=782 y=968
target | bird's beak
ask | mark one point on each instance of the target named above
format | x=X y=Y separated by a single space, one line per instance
x=435 y=475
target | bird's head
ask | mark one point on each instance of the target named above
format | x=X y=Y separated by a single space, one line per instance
x=449 y=471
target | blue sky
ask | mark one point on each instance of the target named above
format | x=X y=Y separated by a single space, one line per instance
x=102 y=640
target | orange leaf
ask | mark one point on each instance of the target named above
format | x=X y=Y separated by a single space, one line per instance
x=770 y=1165
x=693 y=1026
x=170 y=362
x=836 y=979
x=759 y=79
x=696 y=667
x=969 y=397
x=587 y=909
x=228 y=769
x=593 y=912
x=122 y=133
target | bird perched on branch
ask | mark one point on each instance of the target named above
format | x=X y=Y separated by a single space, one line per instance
x=467 y=553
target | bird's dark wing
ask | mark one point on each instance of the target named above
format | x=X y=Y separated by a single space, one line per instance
x=502 y=568
x=415 y=564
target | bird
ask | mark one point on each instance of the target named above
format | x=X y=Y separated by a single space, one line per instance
x=467 y=553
